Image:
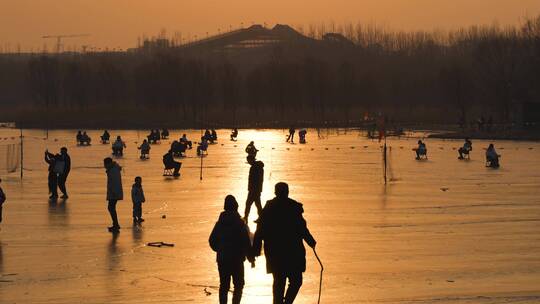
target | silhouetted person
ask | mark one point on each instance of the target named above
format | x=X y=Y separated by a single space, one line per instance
x=115 y=192
x=170 y=163
x=145 y=149
x=137 y=197
x=255 y=186
x=230 y=240
x=154 y=136
x=2 y=200
x=466 y=149
x=251 y=150
x=213 y=134
x=164 y=134
x=421 y=150
x=105 y=137
x=52 y=178
x=118 y=146
x=208 y=135
x=78 y=137
x=185 y=141
x=283 y=229
x=290 y=138
x=234 y=134
x=178 y=148
x=203 y=146
x=63 y=174
x=302 y=136
x=492 y=158
x=85 y=139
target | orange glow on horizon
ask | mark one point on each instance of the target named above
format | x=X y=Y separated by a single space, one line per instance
x=118 y=23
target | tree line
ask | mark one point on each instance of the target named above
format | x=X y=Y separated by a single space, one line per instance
x=410 y=76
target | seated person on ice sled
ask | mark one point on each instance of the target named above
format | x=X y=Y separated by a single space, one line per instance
x=466 y=149
x=203 y=146
x=170 y=165
x=213 y=135
x=302 y=135
x=208 y=136
x=85 y=139
x=164 y=134
x=178 y=149
x=421 y=151
x=105 y=137
x=234 y=134
x=492 y=158
x=118 y=147
x=185 y=141
x=82 y=139
x=153 y=137
x=145 y=149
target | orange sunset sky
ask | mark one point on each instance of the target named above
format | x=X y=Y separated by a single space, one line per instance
x=118 y=23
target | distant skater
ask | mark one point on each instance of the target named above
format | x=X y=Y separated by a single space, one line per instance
x=255 y=186
x=52 y=179
x=466 y=149
x=137 y=197
x=2 y=199
x=115 y=192
x=492 y=157
x=230 y=240
x=290 y=138
x=283 y=230
x=64 y=172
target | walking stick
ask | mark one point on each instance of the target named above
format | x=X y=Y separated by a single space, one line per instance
x=320 y=280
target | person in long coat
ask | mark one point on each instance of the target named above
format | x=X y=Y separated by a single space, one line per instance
x=283 y=230
x=115 y=192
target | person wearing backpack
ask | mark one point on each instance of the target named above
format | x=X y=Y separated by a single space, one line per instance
x=230 y=240
x=63 y=172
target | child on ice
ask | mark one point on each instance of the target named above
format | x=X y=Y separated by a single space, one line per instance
x=137 y=196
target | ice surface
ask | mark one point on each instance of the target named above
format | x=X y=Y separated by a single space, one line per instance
x=409 y=242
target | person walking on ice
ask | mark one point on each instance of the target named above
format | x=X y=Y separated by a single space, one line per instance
x=115 y=192
x=283 y=230
x=255 y=186
x=230 y=240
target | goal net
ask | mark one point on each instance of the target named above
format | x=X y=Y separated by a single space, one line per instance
x=10 y=157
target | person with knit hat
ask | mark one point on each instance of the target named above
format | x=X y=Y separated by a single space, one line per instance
x=230 y=240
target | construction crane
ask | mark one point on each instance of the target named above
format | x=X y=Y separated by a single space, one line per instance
x=59 y=45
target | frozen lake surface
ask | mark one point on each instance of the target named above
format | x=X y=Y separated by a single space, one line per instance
x=442 y=231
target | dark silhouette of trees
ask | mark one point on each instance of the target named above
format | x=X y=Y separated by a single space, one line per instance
x=412 y=76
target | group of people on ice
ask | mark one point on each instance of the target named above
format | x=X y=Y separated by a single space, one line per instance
x=59 y=168
x=492 y=157
x=282 y=229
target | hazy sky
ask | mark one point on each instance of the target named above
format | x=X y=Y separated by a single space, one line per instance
x=117 y=23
